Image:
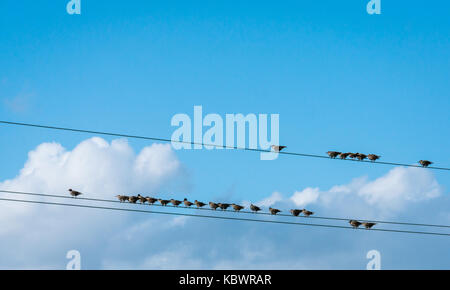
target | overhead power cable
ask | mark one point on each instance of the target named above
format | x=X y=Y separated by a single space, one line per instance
x=210 y=145
x=218 y=217
x=230 y=211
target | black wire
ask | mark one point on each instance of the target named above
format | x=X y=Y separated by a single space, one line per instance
x=204 y=144
x=231 y=211
x=217 y=217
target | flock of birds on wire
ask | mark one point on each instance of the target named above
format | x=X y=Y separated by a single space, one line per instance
x=358 y=156
x=254 y=208
x=223 y=206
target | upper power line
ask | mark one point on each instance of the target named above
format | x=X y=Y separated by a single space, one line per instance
x=211 y=145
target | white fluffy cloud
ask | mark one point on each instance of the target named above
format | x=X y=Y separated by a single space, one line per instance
x=384 y=196
x=95 y=167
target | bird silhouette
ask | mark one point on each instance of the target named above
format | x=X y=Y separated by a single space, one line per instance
x=354 y=223
x=361 y=156
x=199 y=204
x=151 y=200
x=213 y=205
x=296 y=212
x=373 y=157
x=344 y=155
x=277 y=148
x=74 y=193
x=368 y=225
x=175 y=202
x=142 y=199
x=122 y=198
x=307 y=212
x=254 y=208
x=187 y=202
x=237 y=207
x=223 y=206
x=425 y=163
x=274 y=211
x=333 y=154
x=132 y=199
x=353 y=155
x=164 y=202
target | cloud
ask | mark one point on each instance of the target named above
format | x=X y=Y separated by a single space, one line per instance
x=385 y=196
x=38 y=236
x=95 y=167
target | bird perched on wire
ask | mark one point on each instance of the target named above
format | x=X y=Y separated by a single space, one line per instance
x=199 y=204
x=213 y=205
x=274 y=211
x=122 y=198
x=373 y=157
x=254 y=208
x=368 y=225
x=187 y=202
x=354 y=223
x=223 y=206
x=237 y=207
x=278 y=148
x=141 y=199
x=353 y=155
x=425 y=163
x=296 y=212
x=175 y=202
x=307 y=212
x=344 y=155
x=132 y=199
x=151 y=200
x=164 y=202
x=74 y=193
x=361 y=156
x=333 y=154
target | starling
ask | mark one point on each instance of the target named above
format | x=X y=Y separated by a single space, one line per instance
x=199 y=204
x=132 y=199
x=354 y=223
x=142 y=199
x=353 y=155
x=187 y=202
x=274 y=211
x=368 y=225
x=74 y=193
x=122 y=198
x=296 y=212
x=277 y=148
x=151 y=200
x=254 y=208
x=223 y=206
x=237 y=207
x=344 y=155
x=373 y=157
x=164 y=202
x=175 y=202
x=213 y=205
x=361 y=156
x=425 y=163
x=307 y=212
x=333 y=154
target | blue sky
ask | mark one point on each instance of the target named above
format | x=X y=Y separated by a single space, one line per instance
x=340 y=79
